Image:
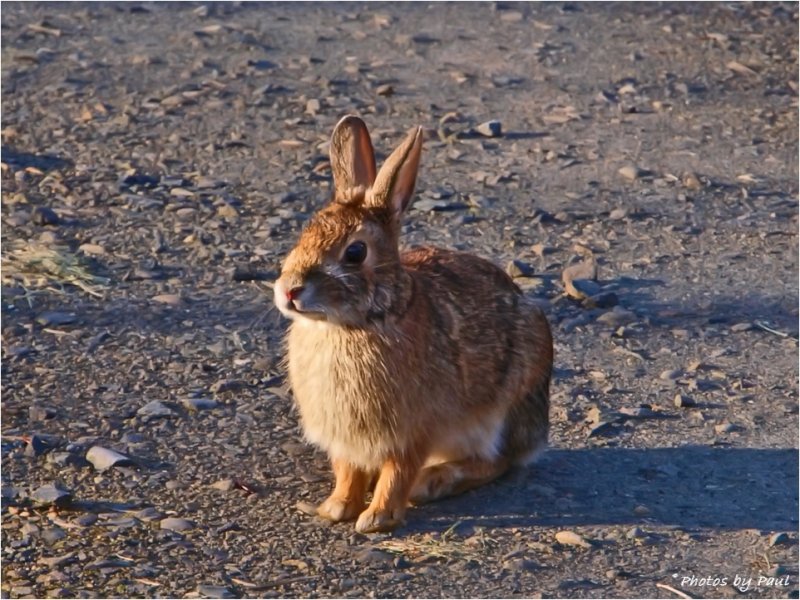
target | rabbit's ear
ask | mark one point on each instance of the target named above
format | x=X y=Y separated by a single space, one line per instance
x=395 y=182
x=352 y=158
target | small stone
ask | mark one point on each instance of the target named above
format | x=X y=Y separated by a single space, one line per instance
x=601 y=300
x=44 y=215
x=641 y=511
x=570 y=538
x=519 y=565
x=629 y=172
x=53 y=534
x=723 y=428
x=169 y=299
x=306 y=508
x=635 y=534
x=52 y=493
x=585 y=270
x=682 y=401
x=40 y=444
x=67 y=459
x=227 y=385
x=155 y=408
x=200 y=403
x=55 y=318
x=92 y=249
x=691 y=182
x=224 y=485
x=671 y=374
x=104 y=458
x=176 y=524
x=313 y=106
x=617 y=317
x=739 y=327
x=511 y=16
x=779 y=539
x=517 y=268
x=215 y=591
x=776 y=571
x=602 y=429
x=490 y=129
x=148 y=514
x=618 y=214
x=384 y=90
x=582 y=289
x=37 y=412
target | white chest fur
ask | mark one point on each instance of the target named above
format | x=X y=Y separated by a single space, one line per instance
x=347 y=396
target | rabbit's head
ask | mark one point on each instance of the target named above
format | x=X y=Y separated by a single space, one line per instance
x=345 y=268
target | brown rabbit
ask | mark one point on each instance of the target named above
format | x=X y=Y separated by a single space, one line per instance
x=426 y=369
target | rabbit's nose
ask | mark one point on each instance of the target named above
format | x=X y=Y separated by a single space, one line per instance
x=294 y=292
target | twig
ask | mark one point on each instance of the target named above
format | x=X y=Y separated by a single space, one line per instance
x=762 y=325
x=679 y=593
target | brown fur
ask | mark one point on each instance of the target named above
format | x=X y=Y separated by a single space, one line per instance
x=428 y=369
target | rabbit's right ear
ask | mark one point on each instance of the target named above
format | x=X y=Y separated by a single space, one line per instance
x=352 y=159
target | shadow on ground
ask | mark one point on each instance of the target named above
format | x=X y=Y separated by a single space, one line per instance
x=689 y=487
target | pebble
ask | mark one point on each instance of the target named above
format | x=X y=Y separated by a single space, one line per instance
x=215 y=591
x=490 y=129
x=570 y=538
x=39 y=444
x=149 y=514
x=779 y=539
x=629 y=172
x=603 y=428
x=37 y=412
x=176 y=524
x=44 y=215
x=739 y=327
x=93 y=249
x=726 y=428
x=104 y=458
x=618 y=214
x=313 y=106
x=200 y=403
x=517 y=268
x=52 y=493
x=384 y=90
x=53 y=534
x=582 y=289
x=155 y=408
x=227 y=385
x=169 y=299
x=682 y=401
x=306 y=508
x=635 y=533
x=224 y=485
x=601 y=300
x=616 y=317
x=671 y=374
x=55 y=318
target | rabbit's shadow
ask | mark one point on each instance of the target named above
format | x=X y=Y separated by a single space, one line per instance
x=689 y=487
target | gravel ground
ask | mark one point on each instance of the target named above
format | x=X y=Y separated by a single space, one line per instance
x=158 y=160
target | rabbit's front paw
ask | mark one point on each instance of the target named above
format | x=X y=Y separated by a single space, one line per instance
x=372 y=520
x=338 y=509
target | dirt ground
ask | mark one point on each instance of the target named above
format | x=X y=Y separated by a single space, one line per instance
x=159 y=160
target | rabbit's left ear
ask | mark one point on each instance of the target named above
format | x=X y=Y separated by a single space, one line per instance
x=352 y=159
x=394 y=185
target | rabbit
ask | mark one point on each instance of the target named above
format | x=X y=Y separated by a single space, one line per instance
x=424 y=373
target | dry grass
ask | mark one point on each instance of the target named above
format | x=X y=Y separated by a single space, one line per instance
x=36 y=266
x=444 y=546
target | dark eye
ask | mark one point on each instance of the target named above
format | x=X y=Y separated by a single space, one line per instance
x=355 y=253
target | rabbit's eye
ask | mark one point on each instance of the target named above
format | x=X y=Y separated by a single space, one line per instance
x=355 y=253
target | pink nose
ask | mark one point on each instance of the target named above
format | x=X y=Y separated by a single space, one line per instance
x=294 y=293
